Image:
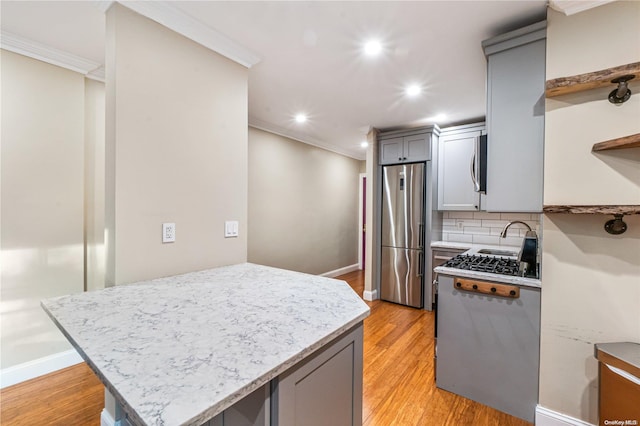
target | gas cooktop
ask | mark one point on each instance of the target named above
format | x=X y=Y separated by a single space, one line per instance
x=494 y=265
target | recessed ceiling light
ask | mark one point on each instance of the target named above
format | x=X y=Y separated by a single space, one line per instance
x=364 y=144
x=301 y=118
x=372 y=48
x=413 y=90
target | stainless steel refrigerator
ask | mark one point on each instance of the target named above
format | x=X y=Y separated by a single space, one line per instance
x=403 y=234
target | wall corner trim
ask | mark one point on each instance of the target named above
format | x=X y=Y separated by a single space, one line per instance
x=38 y=367
x=341 y=271
x=176 y=20
x=547 y=417
x=370 y=295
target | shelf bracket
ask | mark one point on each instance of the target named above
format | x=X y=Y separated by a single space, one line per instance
x=615 y=226
x=622 y=93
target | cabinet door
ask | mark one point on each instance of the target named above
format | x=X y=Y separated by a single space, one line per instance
x=515 y=116
x=252 y=410
x=391 y=151
x=324 y=390
x=455 y=161
x=416 y=148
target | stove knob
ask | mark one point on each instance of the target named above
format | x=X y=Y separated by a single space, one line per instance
x=493 y=290
x=475 y=286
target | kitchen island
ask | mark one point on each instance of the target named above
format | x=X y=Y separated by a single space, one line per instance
x=185 y=350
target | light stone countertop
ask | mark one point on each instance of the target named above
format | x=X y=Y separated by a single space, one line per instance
x=179 y=350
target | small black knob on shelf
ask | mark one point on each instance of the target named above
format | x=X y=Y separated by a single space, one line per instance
x=458 y=284
x=399 y=158
x=475 y=286
x=493 y=290
x=512 y=292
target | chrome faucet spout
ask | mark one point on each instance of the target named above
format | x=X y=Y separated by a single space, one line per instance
x=503 y=234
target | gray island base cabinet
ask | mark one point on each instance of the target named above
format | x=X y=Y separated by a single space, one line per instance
x=238 y=345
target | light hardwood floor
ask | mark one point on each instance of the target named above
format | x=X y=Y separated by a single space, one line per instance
x=399 y=387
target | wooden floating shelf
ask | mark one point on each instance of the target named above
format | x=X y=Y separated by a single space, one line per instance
x=593 y=80
x=631 y=141
x=608 y=209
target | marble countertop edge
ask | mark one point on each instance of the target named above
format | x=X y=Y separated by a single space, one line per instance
x=270 y=375
x=102 y=377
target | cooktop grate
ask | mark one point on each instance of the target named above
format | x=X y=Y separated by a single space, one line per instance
x=494 y=265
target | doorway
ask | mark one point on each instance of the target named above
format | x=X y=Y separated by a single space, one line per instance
x=362 y=220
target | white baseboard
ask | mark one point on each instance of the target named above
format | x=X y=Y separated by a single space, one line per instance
x=341 y=271
x=106 y=419
x=38 y=367
x=370 y=295
x=547 y=417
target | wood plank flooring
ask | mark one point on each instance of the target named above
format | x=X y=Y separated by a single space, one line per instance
x=399 y=387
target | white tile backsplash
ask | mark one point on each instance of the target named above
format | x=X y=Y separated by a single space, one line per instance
x=458 y=238
x=485 y=228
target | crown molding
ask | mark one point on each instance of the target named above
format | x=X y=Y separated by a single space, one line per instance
x=175 y=19
x=97 y=74
x=571 y=7
x=45 y=53
x=281 y=131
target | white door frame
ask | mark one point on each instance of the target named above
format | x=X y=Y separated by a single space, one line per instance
x=360 y=224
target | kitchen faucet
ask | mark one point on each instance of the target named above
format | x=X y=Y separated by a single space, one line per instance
x=528 y=256
x=503 y=234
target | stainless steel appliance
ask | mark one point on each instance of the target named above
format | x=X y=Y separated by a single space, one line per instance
x=403 y=234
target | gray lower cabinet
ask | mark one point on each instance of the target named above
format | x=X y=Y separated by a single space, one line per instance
x=515 y=119
x=488 y=347
x=406 y=146
x=323 y=389
x=457 y=151
x=252 y=410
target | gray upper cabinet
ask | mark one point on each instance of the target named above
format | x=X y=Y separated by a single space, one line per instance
x=456 y=166
x=515 y=119
x=406 y=146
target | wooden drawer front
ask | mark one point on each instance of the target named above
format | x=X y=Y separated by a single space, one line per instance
x=494 y=289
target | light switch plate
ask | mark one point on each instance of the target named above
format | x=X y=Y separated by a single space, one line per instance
x=231 y=229
x=168 y=232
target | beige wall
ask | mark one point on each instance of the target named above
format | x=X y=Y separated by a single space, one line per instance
x=176 y=151
x=42 y=201
x=94 y=184
x=303 y=205
x=590 y=278
x=579 y=44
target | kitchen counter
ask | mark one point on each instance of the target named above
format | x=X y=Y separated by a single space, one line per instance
x=179 y=350
x=469 y=246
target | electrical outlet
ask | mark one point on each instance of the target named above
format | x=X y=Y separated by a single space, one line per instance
x=168 y=232
x=231 y=229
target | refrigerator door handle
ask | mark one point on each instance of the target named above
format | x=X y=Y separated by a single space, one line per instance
x=420 y=235
x=421 y=264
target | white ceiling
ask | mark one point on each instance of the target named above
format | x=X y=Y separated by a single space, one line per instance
x=312 y=59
